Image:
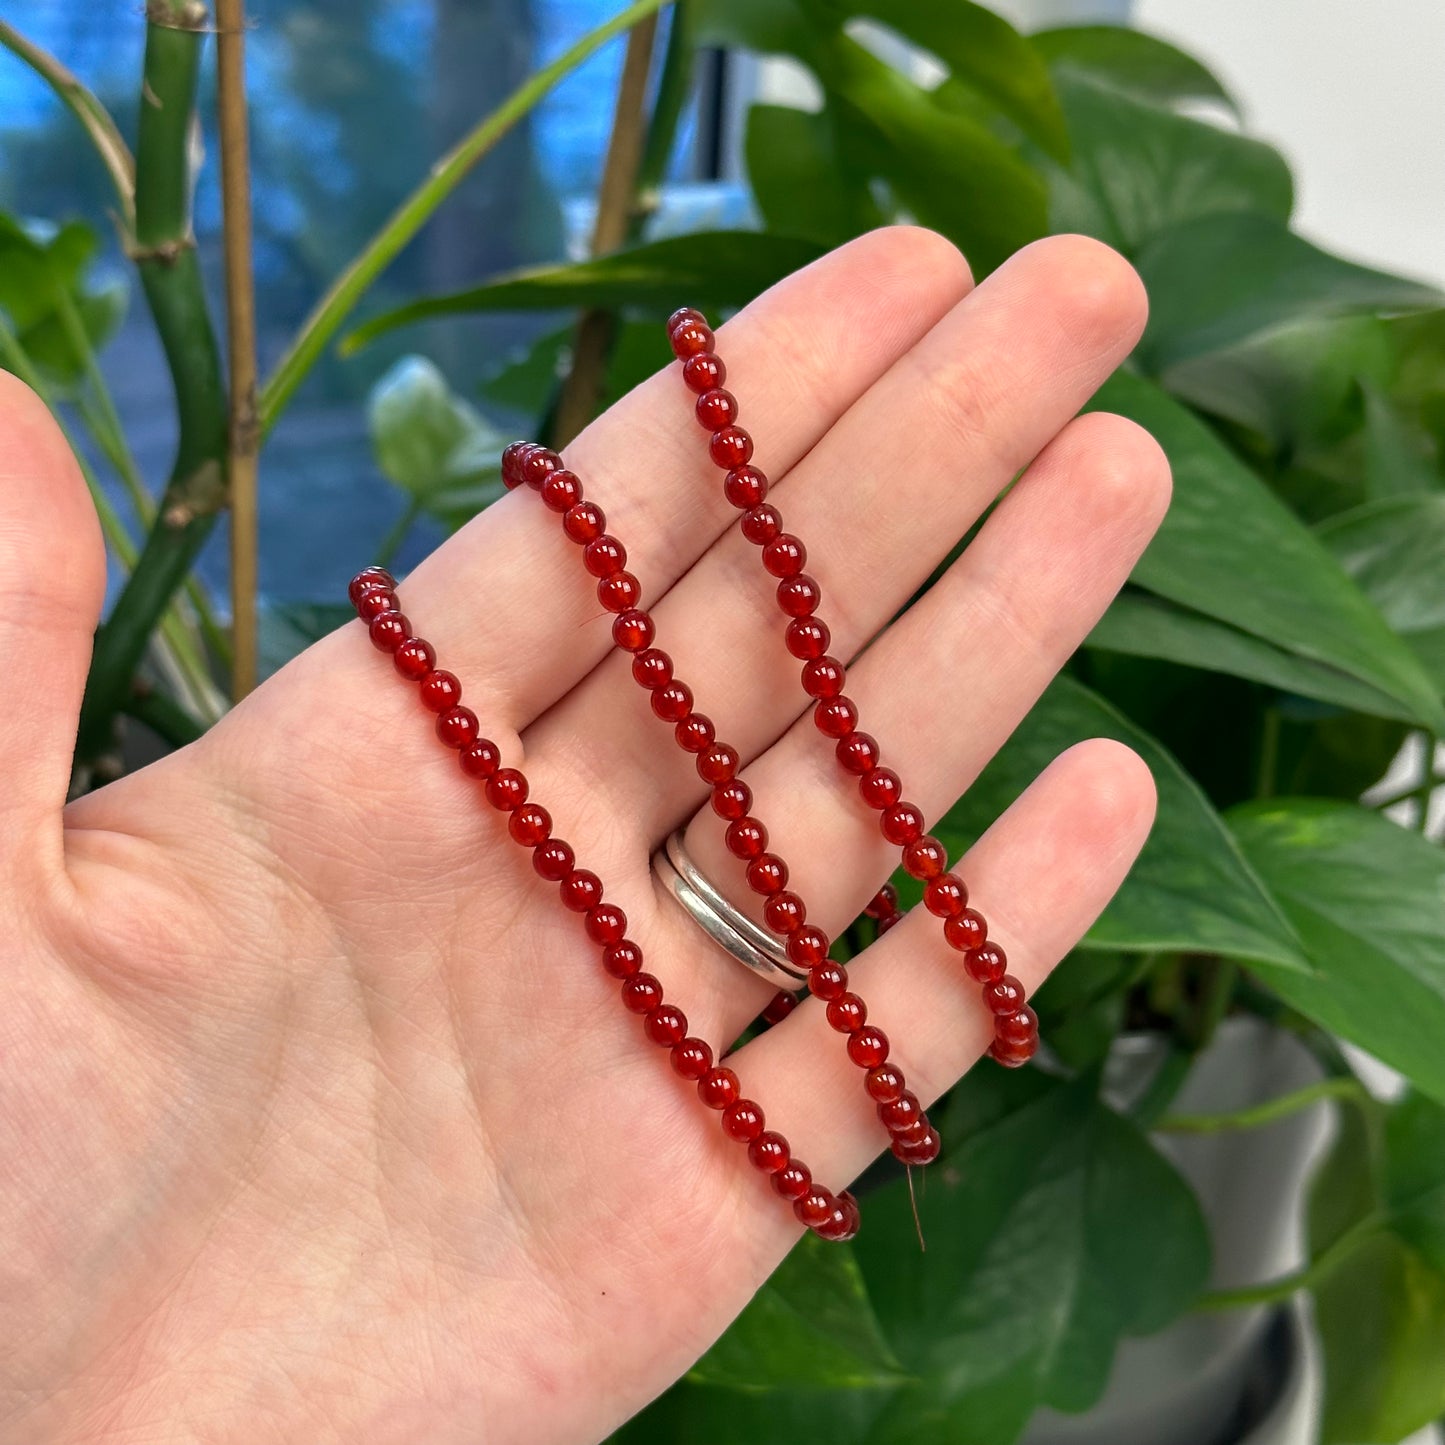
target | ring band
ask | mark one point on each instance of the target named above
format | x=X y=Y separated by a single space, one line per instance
x=730 y=928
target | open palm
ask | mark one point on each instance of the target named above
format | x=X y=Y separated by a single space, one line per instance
x=320 y=1120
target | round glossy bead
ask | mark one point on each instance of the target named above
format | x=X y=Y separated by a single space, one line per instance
x=690 y=338
x=388 y=631
x=704 y=371
x=651 y=669
x=716 y=409
x=530 y=825
x=561 y=490
x=767 y=874
x=1018 y=1030
x=965 y=931
x=481 y=759
x=538 y=464
x=823 y=677
x=512 y=458
x=718 y=1088
x=808 y=946
x=799 y=596
x=623 y=959
x=841 y=1224
x=807 y=638
x=619 y=591
x=584 y=522
x=836 y=717
x=632 y=630
x=368 y=577
x=730 y=447
x=685 y=315
x=847 y=1014
x=901 y=1113
x=945 y=896
x=415 y=658
x=666 y=1025
x=606 y=923
x=506 y=789
x=868 y=1047
x=641 y=993
x=893 y=919
x=581 y=889
x=717 y=764
x=746 y=838
x=745 y=487
x=779 y=1006
x=731 y=799
x=692 y=1058
x=761 y=524
x=784 y=912
x=552 y=859
x=673 y=702
x=925 y=857
x=815 y=1207
x=923 y=1152
x=375 y=601
x=883 y=902
x=604 y=556
x=884 y=1083
x=902 y=823
x=858 y=753
x=879 y=788
x=785 y=555
x=694 y=732
x=440 y=690
x=458 y=727
x=1004 y=995
x=986 y=964
x=769 y=1152
x=742 y=1120
x=827 y=981
x=793 y=1180
x=1008 y=1056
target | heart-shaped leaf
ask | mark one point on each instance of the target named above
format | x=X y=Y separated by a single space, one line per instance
x=1129 y=60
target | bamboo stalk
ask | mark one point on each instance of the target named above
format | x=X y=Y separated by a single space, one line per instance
x=245 y=431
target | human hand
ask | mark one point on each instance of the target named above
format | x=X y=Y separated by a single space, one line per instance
x=320 y=1120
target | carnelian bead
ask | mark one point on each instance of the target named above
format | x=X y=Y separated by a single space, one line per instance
x=552 y=859
x=673 y=702
x=769 y=1152
x=641 y=993
x=868 y=1047
x=632 y=630
x=807 y=946
x=368 y=577
x=847 y=1013
x=458 y=727
x=704 y=371
x=858 y=753
x=512 y=457
x=716 y=409
x=807 y=638
x=785 y=555
x=606 y=923
x=1009 y=1057
x=784 y=912
x=683 y=316
x=742 y=1120
x=731 y=799
x=692 y=1058
x=767 y=874
x=779 y=1006
x=604 y=556
x=561 y=490
x=666 y=1025
x=482 y=759
x=389 y=631
x=898 y=1114
x=827 y=981
x=883 y=902
x=945 y=896
x=841 y=1224
x=799 y=596
x=1004 y=995
x=761 y=524
x=694 y=732
x=924 y=1152
x=745 y=487
x=691 y=338
x=730 y=447
x=415 y=658
x=912 y=1134
x=836 y=717
x=884 y=924
x=440 y=690
x=793 y=1180
x=986 y=964
x=584 y=522
x=538 y=464
x=901 y=824
x=884 y=1083
x=651 y=669
x=506 y=789
x=619 y=591
x=623 y=959
x=966 y=931
x=1018 y=1030
x=925 y=857
x=879 y=788
x=375 y=601
x=746 y=838
x=815 y=1207
x=823 y=677
x=717 y=764
x=581 y=889
x=718 y=1088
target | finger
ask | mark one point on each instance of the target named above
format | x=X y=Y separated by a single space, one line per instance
x=1041 y=874
x=946 y=685
x=508 y=595
x=52 y=582
x=879 y=502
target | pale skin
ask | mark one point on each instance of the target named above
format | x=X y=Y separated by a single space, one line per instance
x=320 y=1121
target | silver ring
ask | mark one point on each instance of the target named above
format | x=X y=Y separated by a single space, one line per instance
x=730 y=928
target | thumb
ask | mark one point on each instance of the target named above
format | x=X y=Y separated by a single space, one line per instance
x=52 y=584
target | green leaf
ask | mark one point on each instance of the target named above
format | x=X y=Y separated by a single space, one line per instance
x=49 y=344
x=712 y=268
x=1129 y=60
x=1395 y=552
x=286 y=630
x=810 y=1326
x=1367 y=900
x=1396 y=456
x=1190 y=889
x=1232 y=550
x=1138 y=170
x=1217 y=280
x=1029 y=1281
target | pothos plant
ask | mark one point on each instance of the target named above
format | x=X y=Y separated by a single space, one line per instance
x=1278 y=645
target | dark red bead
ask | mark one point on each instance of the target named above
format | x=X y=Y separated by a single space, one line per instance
x=827 y=981
x=717 y=764
x=858 y=753
x=481 y=759
x=605 y=556
x=666 y=1025
x=458 y=727
x=883 y=902
x=779 y=1006
x=694 y=732
x=985 y=964
x=506 y=789
x=673 y=702
x=619 y=592
x=847 y=1013
x=868 y=1047
x=717 y=409
x=835 y=717
x=807 y=638
x=1019 y=1030
x=1008 y=1056
x=691 y=338
x=606 y=923
x=815 y=1207
x=704 y=371
x=718 y=1088
x=581 y=889
x=623 y=959
x=692 y=1058
x=538 y=464
x=651 y=669
x=440 y=690
x=945 y=896
x=584 y=522
x=784 y=912
x=746 y=838
x=552 y=859
x=730 y=447
x=375 y=601
x=884 y=924
x=769 y=1152
x=880 y=788
x=389 y=631
x=641 y=993
x=767 y=874
x=966 y=930
x=530 y=825
x=925 y=857
x=561 y=490
x=793 y=1180
x=415 y=658
x=731 y=799
x=884 y=1083
x=785 y=555
x=512 y=458
x=745 y=487
x=823 y=677
x=923 y=1152
x=799 y=596
x=841 y=1224
x=807 y=946
x=900 y=1113
x=742 y=1120
x=368 y=577
x=632 y=630
x=685 y=315
x=902 y=823
x=1004 y=995
x=761 y=524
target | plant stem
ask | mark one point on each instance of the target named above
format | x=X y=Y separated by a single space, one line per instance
x=391 y=543
x=245 y=432
x=673 y=86
x=1266 y=1113
x=166 y=718
x=616 y=200
x=1267 y=778
x=352 y=284
x=1278 y=1290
